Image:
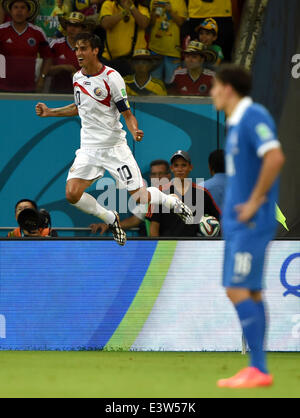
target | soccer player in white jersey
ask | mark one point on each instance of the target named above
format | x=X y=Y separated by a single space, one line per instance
x=100 y=98
x=253 y=162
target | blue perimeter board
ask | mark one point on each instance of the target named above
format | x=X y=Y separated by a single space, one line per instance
x=62 y=295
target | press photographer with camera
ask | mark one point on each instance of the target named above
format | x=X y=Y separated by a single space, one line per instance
x=32 y=221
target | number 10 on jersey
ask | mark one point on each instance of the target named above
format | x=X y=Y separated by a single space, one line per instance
x=124 y=173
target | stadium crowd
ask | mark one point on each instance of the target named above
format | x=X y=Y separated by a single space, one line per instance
x=159 y=47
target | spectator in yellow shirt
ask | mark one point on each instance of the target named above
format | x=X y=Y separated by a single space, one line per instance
x=125 y=22
x=221 y=12
x=141 y=83
x=167 y=17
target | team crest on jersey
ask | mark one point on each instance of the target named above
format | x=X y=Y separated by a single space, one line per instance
x=31 y=41
x=203 y=88
x=264 y=132
x=98 y=91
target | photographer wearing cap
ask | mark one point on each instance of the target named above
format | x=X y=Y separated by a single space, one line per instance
x=32 y=222
x=166 y=224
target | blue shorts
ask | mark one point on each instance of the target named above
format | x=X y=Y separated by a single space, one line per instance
x=244 y=259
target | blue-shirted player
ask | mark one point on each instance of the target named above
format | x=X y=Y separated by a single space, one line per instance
x=253 y=161
x=216 y=183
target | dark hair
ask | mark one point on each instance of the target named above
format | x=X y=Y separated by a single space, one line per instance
x=216 y=161
x=161 y=162
x=26 y=200
x=94 y=40
x=145 y=3
x=19 y=1
x=238 y=77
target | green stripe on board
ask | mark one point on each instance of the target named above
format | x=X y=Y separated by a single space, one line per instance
x=138 y=312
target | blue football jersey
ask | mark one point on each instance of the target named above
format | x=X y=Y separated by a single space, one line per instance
x=251 y=133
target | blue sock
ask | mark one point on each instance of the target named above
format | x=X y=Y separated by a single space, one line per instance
x=252 y=319
x=262 y=319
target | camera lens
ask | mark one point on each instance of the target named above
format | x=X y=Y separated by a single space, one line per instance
x=29 y=220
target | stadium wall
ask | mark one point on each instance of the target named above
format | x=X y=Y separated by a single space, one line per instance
x=37 y=152
x=276 y=78
x=149 y=295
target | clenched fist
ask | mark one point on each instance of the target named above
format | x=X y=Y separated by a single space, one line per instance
x=42 y=110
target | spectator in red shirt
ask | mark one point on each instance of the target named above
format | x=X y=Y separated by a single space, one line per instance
x=194 y=79
x=20 y=43
x=65 y=62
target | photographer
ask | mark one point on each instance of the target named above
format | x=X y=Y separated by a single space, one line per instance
x=32 y=222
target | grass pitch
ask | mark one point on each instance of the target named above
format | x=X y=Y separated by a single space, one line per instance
x=137 y=375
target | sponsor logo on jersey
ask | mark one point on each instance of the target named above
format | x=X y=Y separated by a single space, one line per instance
x=87 y=83
x=9 y=41
x=203 y=88
x=97 y=91
x=31 y=41
x=123 y=91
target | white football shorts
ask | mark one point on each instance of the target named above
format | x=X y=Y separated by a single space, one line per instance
x=91 y=164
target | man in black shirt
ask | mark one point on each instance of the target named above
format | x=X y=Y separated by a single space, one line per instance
x=199 y=200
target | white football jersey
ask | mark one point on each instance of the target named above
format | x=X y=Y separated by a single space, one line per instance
x=100 y=99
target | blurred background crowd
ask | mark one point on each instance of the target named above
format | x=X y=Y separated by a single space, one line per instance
x=159 y=47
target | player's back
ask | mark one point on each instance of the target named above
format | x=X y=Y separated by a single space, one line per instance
x=97 y=98
x=251 y=133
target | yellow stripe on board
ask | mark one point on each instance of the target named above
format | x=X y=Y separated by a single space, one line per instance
x=138 y=312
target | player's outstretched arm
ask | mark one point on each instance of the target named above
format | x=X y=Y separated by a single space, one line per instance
x=44 y=111
x=132 y=125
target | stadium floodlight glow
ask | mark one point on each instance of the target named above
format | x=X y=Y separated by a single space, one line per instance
x=2 y=66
